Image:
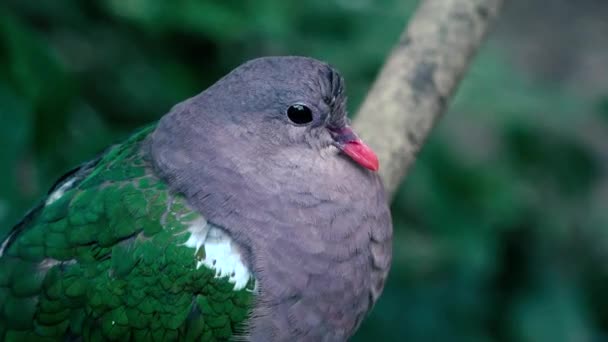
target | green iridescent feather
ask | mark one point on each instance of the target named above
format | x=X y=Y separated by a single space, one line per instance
x=107 y=261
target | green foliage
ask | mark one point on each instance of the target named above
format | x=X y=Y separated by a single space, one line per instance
x=499 y=230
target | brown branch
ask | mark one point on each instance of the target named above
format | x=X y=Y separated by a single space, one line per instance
x=419 y=78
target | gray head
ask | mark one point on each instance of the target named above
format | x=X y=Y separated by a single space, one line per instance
x=267 y=154
x=285 y=102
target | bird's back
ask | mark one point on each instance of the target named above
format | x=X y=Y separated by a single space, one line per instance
x=112 y=253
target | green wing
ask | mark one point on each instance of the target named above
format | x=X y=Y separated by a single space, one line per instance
x=112 y=254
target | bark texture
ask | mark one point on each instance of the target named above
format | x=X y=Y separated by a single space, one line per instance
x=419 y=78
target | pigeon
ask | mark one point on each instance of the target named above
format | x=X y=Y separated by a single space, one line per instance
x=250 y=211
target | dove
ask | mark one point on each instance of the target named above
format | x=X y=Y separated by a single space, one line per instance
x=249 y=211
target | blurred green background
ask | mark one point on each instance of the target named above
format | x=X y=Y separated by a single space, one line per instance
x=501 y=229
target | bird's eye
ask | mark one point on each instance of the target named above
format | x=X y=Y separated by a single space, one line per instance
x=299 y=114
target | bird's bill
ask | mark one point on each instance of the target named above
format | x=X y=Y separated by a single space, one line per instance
x=349 y=143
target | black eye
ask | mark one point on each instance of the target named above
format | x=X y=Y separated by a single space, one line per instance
x=299 y=114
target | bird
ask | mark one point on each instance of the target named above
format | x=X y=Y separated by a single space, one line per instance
x=250 y=211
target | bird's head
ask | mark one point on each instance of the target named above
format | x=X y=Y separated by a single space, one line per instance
x=287 y=102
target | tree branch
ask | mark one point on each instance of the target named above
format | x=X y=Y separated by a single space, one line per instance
x=419 y=78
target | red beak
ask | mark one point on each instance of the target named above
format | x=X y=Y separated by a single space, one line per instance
x=349 y=143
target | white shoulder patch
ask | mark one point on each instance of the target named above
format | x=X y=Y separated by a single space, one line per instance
x=55 y=195
x=221 y=253
x=198 y=234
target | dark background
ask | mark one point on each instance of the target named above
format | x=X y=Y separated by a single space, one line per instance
x=501 y=228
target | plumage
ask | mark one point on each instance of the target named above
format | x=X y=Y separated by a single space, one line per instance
x=250 y=210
